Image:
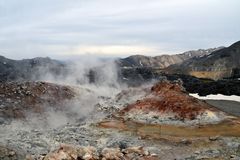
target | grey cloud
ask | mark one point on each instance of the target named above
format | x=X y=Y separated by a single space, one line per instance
x=28 y=28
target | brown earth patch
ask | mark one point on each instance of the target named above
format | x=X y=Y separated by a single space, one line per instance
x=16 y=98
x=210 y=74
x=154 y=131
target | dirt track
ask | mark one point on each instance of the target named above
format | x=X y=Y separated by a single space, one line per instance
x=231 y=107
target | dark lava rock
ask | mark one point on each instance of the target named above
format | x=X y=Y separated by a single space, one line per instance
x=9 y=154
x=138 y=76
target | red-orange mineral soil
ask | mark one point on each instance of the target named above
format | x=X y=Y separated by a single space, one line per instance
x=169 y=102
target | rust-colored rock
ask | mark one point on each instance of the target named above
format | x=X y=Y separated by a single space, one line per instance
x=171 y=100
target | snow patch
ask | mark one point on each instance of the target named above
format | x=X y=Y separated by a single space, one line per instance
x=217 y=97
x=210 y=55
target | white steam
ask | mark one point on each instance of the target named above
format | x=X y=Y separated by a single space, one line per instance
x=77 y=74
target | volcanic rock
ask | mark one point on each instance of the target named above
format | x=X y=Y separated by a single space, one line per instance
x=169 y=103
x=18 y=97
x=9 y=154
x=68 y=152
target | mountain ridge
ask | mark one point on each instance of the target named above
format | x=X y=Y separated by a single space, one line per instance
x=219 y=64
x=163 y=61
x=15 y=70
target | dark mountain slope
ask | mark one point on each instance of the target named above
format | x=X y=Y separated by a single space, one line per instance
x=219 y=64
x=27 y=69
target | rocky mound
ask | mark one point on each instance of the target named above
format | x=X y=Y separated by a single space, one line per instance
x=17 y=98
x=169 y=103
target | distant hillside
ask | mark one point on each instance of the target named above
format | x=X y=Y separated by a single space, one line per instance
x=162 y=61
x=214 y=63
x=27 y=69
x=219 y=64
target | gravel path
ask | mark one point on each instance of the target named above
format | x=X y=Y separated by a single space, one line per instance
x=231 y=107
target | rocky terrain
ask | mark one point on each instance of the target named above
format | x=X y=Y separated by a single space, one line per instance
x=169 y=103
x=144 y=122
x=166 y=113
x=19 y=98
x=128 y=110
x=217 y=65
x=70 y=152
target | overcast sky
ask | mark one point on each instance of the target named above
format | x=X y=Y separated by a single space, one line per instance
x=66 y=28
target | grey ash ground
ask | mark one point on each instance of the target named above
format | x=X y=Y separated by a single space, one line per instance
x=23 y=139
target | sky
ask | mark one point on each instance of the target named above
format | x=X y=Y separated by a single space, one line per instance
x=115 y=28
